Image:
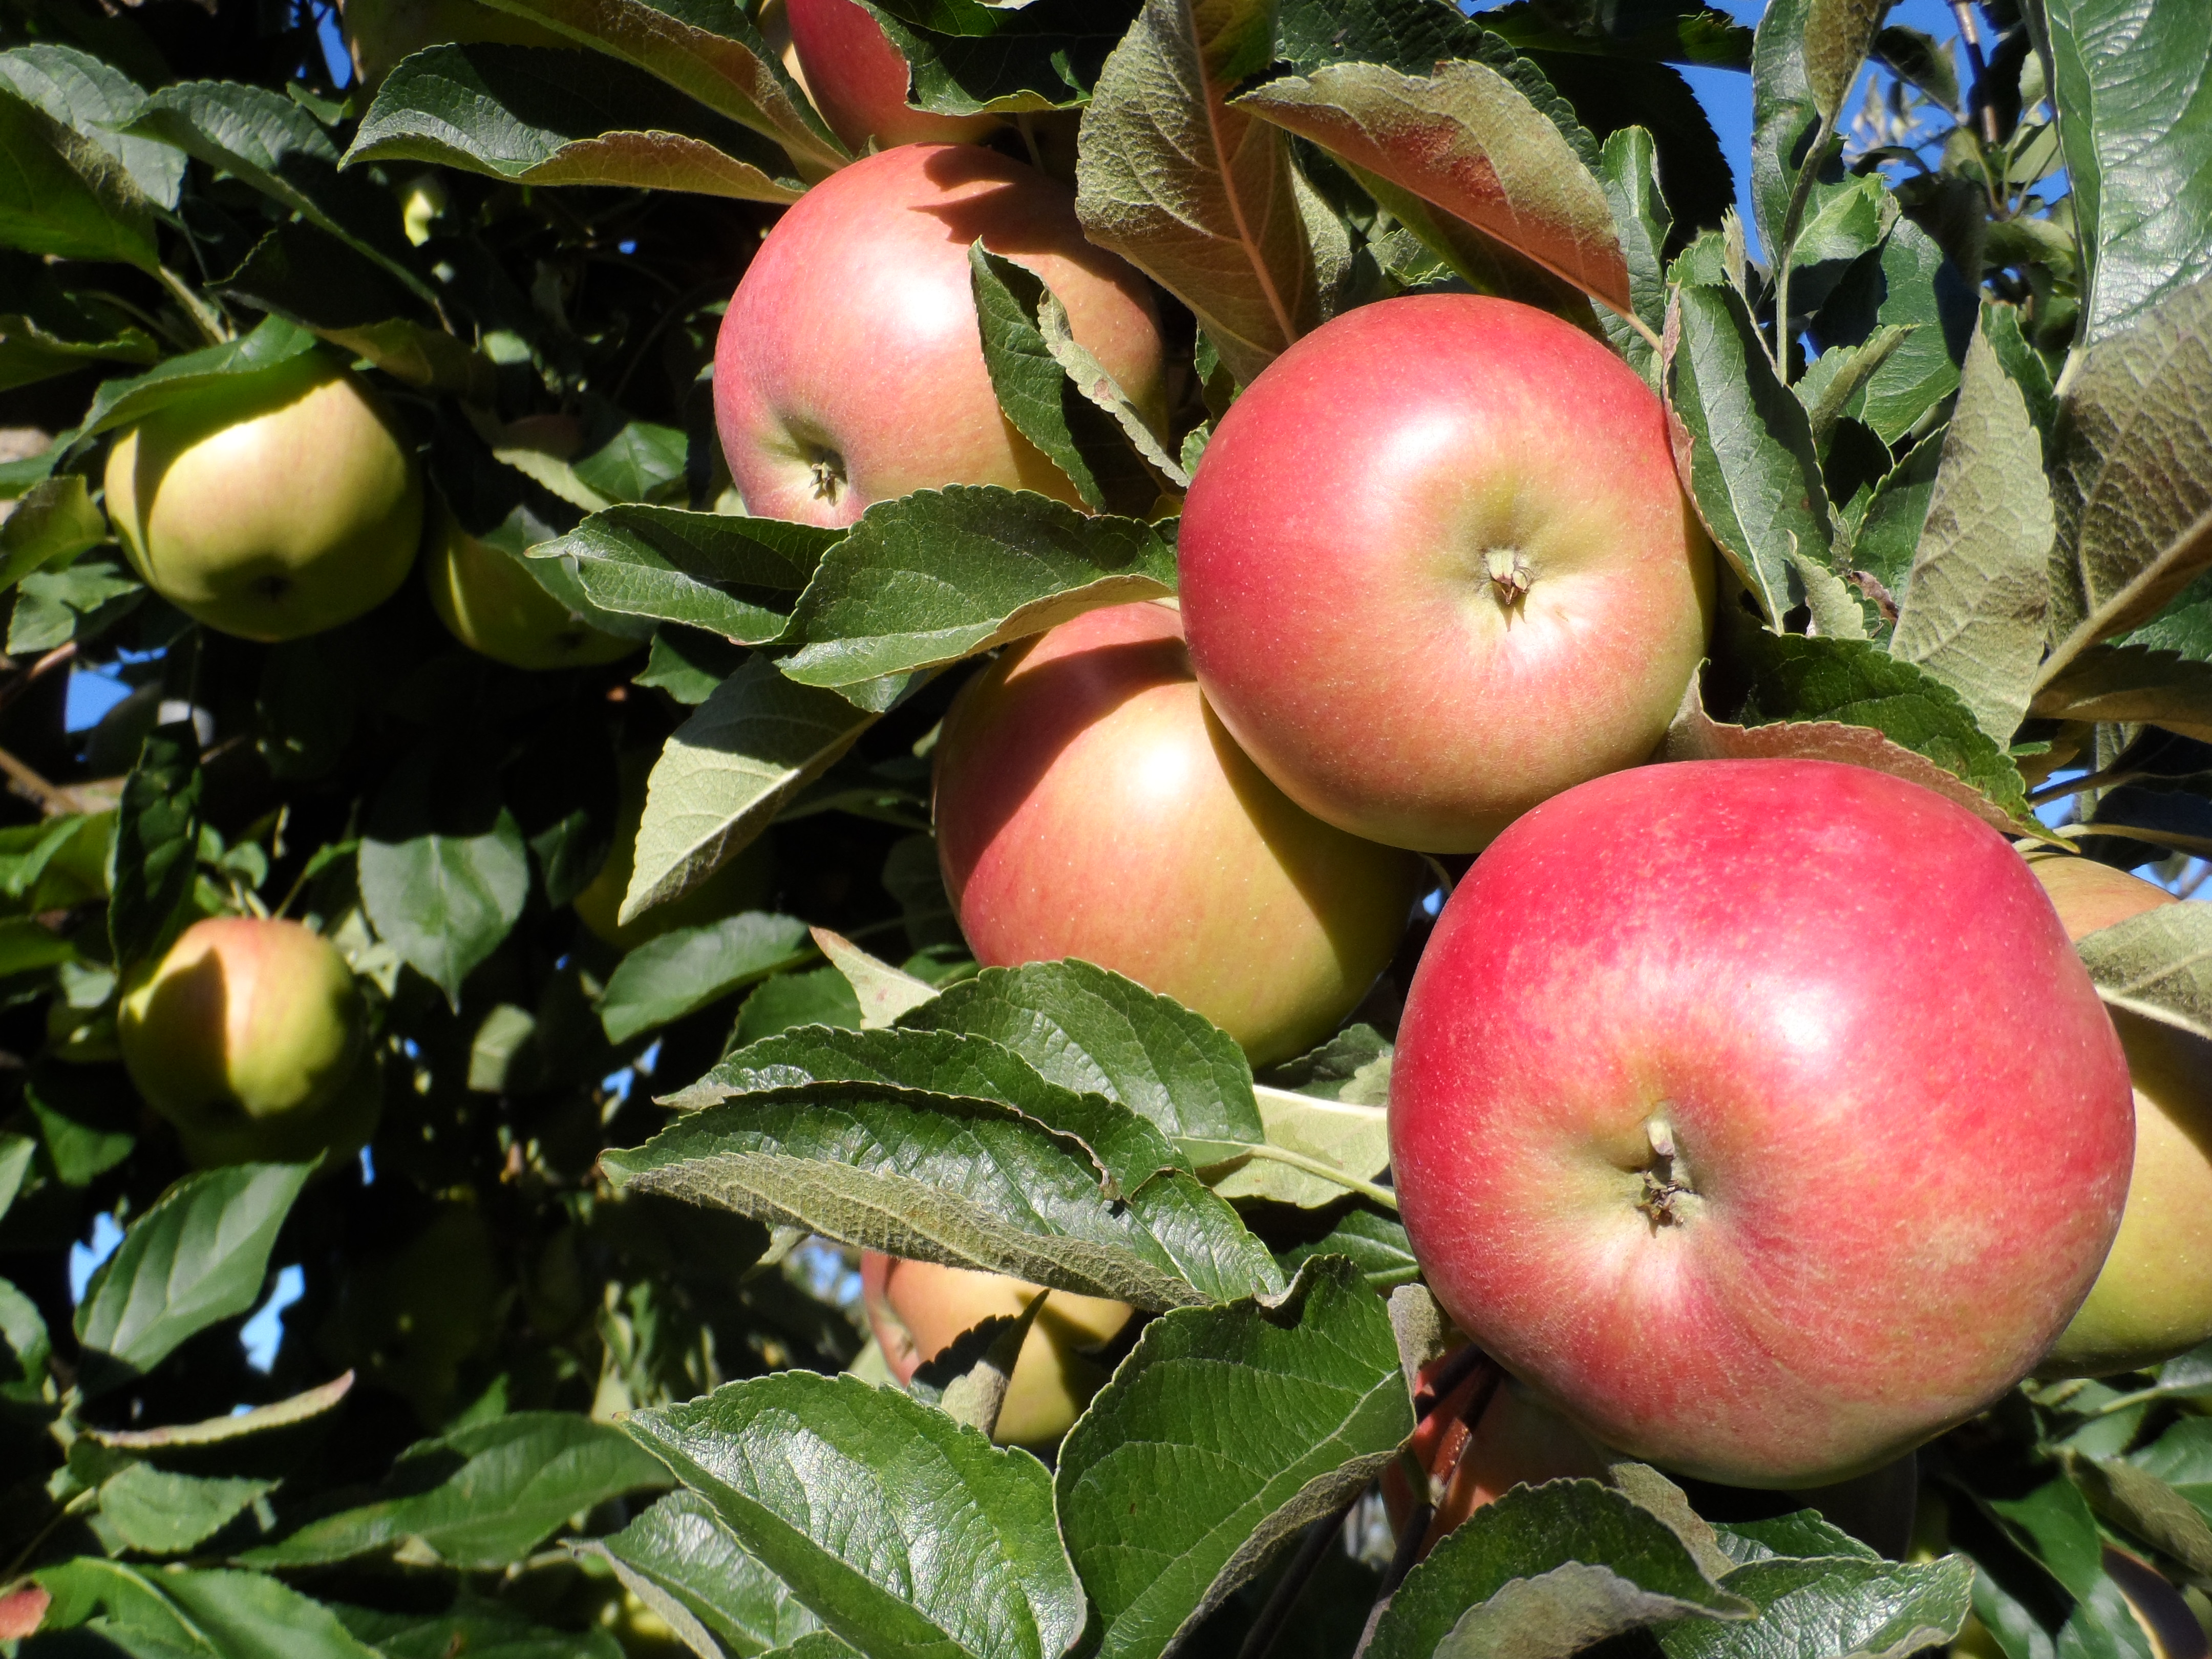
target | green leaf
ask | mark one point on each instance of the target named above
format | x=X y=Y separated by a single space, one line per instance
x=680 y=1549
x=248 y=1615
x=1546 y=1571
x=264 y=139
x=1889 y=530
x=784 y=1001
x=732 y=576
x=1919 y=60
x=2158 y=964
x=213 y=1431
x=94 y=98
x=1906 y=283
x=77 y=602
x=119 y=403
x=157 y=835
x=683 y=970
x=15 y=1153
x=940 y=575
x=25 y=1347
x=41 y=341
x=1127 y=1149
x=1259 y=1419
x=1974 y=612
x=2131 y=475
x=480 y=1497
x=64 y=194
x=1838 y=375
x=2132 y=684
x=1802 y=1533
x=729 y=769
x=162 y=1513
x=1193 y=189
x=1352 y=1139
x=642 y=461
x=546 y=116
x=881 y=1474
x=443 y=867
x=1744 y=447
x=1630 y=174
x=967 y=57
x=199 y=1255
x=953 y=1179
x=2134 y=117
x=1094 y=1032
x=2131 y=1497
x=479 y=1626
x=881 y=992
x=709 y=49
x=2182 y=1457
x=51 y=522
x=1785 y=114
x=1817 y=1608
x=1377 y=1245
x=1468 y=139
x=87 y=1117
x=688 y=664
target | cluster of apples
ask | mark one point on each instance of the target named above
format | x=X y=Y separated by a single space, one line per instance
x=1757 y=1117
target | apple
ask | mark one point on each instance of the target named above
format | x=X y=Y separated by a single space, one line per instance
x=1089 y=805
x=1758 y=1116
x=493 y=606
x=743 y=884
x=917 y=1308
x=1436 y=567
x=859 y=80
x=248 y=1036
x=269 y=505
x=2154 y=1299
x=380 y=33
x=849 y=368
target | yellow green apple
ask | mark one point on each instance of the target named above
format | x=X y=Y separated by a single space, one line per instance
x=491 y=604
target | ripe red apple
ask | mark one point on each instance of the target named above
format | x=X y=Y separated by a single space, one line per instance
x=269 y=505
x=849 y=368
x=1436 y=568
x=2154 y=1299
x=493 y=606
x=248 y=1036
x=859 y=80
x=1759 y=1114
x=1089 y=805
x=916 y=1308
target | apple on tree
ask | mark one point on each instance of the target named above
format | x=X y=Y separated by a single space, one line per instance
x=1759 y=1114
x=860 y=81
x=1088 y=803
x=248 y=1036
x=269 y=505
x=492 y=605
x=849 y=368
x=2154 y=1297
x=1436 y=566
x=917 y=1308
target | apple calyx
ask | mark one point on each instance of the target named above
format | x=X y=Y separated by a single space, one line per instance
x=1510 y=576
x=1665 y=1185
x=827 y=467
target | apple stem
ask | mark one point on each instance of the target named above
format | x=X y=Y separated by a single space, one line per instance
x=1314 y=1166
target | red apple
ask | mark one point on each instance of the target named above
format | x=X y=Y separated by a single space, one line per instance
x=1759 y=1114
x=917 y=1308
x=1436 y=568
x=1089 y=805
x=859 y=80
x=2154 y=1299
x=849 y=368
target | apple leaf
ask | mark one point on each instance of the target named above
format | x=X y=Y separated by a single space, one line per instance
x=1468 y=139
x=1354 y=1139
x=160 y=1512
x=537 y=116
x=1839 y=375
x=65 y=195
x=263 y=139
x=710 y=49
x=1813 y=1608
x=880 y=991
x=1191 y=190
x=1909 y=284
x=2132 y=474
x=1785 y=114
x=199 y=1255
x=908 y=1535
x=685 y=1565
x=942 y=574
x=1888 y=534
x=732 y=576
x=1033 y=390
x=47 y=337
x=682 y=971
x=25 y=1349
x=443 y=867
x=1092 y=1031
x=966 y=58
x=2129 y=87
x=283 y=1414
x=249 y=1615
x=1127 y=1149
x=152 y=862
x=51 y=522
x=1974 y=611
x=479 y=1497
x=756 y=742
x=2131 y=1497
x=1545 y=1572
x=1261 y=1418
x=119 y=403
x=2158 y=964
x=16 y=1154
x=1743 y=447
x=2131 y=684
x=955 y=1179
x=1801 y=1533
x=95 y=100
x=1629 y=171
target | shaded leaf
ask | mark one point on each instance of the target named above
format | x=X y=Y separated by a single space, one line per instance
x=679 y=1550
x=683 y=970
x=157 y=833
x=94 y=98
x=62 y=193
x=1817 y=1608
x=732 y=576
x=2158 y=964
x=51 y=522
x=162 y=1513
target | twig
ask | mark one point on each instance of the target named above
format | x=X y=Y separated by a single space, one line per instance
x=1281 y=1599
x=2111 y=778
x=1963 y=12
x=60 y=656
x=55 y=800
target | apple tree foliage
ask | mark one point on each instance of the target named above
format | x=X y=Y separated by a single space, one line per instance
x=571 y=1368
